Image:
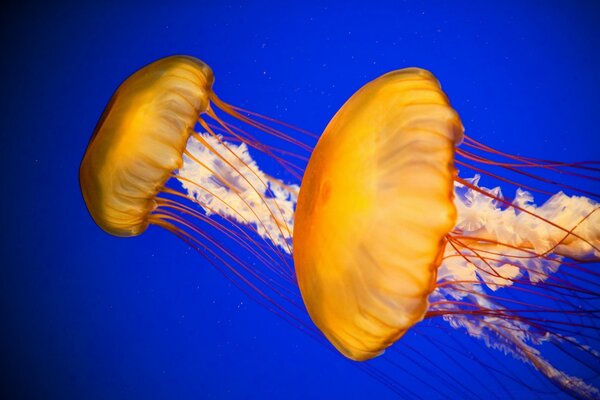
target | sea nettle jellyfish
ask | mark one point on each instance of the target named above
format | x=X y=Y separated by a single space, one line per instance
x=386 y=235
x=146 y=164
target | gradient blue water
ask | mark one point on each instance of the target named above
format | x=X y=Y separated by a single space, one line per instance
x=89 y=316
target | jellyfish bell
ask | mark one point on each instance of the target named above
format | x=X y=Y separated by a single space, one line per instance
x=374 y=209
x=387 y=233
x=140 y=140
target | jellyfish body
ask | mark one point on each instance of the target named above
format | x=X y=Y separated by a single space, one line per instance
x=374 y=209
x=140 y=139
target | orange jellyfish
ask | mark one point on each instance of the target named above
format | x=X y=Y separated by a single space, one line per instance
x=161 y=155
x=387 y=234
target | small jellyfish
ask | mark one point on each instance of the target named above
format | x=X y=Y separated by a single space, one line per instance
x=162 y=156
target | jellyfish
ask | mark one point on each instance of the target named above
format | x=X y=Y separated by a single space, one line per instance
x=381 y=234
x=387 y=234
x=162 y=156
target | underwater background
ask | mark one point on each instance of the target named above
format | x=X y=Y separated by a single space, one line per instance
x=90 y=316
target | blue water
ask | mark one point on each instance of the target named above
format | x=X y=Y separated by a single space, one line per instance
x=89 y=316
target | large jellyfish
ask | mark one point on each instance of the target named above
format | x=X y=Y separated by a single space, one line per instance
x=385 y=232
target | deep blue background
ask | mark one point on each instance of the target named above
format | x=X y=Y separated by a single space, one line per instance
x=88 y=316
